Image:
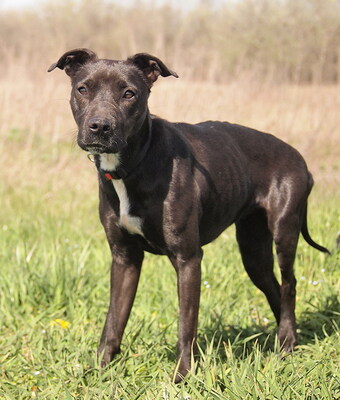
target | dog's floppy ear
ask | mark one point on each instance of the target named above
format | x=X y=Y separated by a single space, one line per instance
x=151 y=67
x=72 y=60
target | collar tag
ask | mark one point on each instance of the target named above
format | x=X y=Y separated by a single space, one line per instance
x=91 y=157
x=108 y=176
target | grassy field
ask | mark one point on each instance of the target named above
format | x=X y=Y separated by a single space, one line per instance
x=55 y=260
x=54 y=294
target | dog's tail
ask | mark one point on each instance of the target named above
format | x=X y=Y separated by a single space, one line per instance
x=306 y=235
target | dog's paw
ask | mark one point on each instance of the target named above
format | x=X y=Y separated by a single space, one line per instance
x=105 y=355
x=180 y=376
x=287 y=339
x=181 y=371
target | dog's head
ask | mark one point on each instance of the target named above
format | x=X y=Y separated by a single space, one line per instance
x=109 y=97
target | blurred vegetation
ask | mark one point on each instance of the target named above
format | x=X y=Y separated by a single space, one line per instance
x=296 y=41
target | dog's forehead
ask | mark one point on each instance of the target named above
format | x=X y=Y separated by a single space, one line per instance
x=113 y=71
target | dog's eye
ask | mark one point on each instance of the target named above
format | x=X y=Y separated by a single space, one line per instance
x=82 y=90
x=128 y=94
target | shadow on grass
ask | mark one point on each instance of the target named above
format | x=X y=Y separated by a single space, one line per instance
x=320 y=322
x=312 y=325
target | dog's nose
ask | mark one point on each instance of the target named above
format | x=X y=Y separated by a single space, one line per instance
x=99 y=125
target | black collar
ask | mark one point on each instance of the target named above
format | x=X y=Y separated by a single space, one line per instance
x=123 y=171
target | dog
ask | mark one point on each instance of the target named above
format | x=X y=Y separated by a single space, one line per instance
x=170 y=188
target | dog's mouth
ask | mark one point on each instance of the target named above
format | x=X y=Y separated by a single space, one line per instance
x=97 y=149
x=113 y=147
x=94 y=149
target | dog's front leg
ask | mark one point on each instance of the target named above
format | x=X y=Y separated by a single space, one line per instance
x=125 y=272
x=188 y=284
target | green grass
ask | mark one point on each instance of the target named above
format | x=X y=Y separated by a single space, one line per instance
x=55 y=265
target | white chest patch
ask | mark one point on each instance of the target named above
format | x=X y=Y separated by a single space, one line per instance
x=109 y=162
x=130 y=223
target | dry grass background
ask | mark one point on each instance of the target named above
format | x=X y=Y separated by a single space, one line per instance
x=250 y=63
x=38 y=132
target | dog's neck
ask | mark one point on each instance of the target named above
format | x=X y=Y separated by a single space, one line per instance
x=121 y=165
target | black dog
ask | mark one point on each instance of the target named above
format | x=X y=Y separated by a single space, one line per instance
x=169 y=188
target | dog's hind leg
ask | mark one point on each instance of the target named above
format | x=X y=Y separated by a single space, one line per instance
x=286 y=229
x=256 y=246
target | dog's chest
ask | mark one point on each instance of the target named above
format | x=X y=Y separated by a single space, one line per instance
x=131 y=223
